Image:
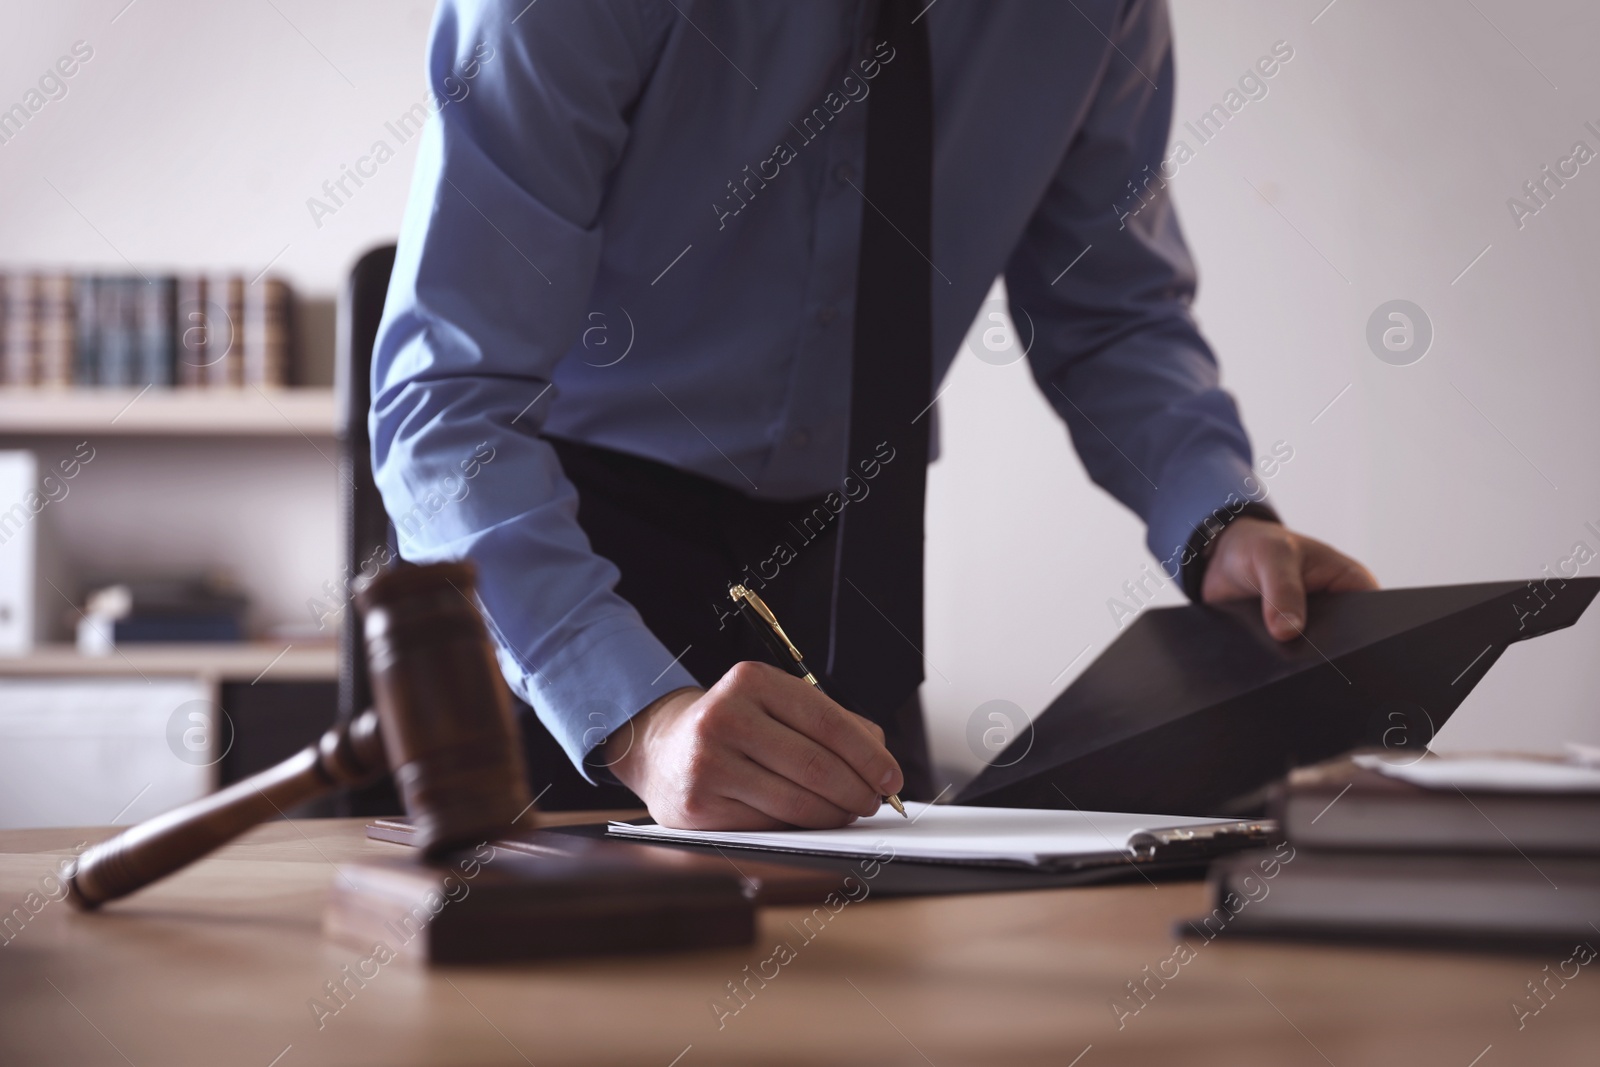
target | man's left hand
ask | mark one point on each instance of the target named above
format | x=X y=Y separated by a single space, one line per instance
x=1254 y=557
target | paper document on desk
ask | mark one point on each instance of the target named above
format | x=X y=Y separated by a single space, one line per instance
x=951 y=833
x=1492 y=773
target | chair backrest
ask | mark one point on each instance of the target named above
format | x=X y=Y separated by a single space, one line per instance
x=366 y=525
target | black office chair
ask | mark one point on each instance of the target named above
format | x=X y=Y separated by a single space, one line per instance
x=367 y=527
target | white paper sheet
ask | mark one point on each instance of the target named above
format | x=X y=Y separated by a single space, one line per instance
x=948 y=832
x=1501 y=774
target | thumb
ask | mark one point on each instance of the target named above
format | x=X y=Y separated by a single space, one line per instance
x=1283 y=592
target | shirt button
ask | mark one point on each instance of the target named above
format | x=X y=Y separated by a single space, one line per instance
x=826 y=315
x=845 y=172
x=799 y=439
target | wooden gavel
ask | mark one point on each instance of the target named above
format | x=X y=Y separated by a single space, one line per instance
x=442 y=725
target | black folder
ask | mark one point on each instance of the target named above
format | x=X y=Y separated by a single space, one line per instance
x=1194 y=710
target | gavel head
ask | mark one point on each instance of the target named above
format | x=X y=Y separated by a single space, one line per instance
x=452 y=743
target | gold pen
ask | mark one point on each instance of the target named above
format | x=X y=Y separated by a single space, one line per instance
x=780 y=644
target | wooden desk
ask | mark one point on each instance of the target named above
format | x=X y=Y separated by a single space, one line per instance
x=218 y=964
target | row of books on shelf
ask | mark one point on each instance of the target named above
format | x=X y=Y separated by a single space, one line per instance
x=170 y=330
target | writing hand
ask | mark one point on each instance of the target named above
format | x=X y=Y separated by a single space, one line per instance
x=760 y=750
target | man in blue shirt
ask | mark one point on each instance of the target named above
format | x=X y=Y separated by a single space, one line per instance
x=629 y=314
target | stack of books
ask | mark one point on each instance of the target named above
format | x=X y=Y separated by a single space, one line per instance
x=170 y=330
x=208 y=608
x=1496 y=849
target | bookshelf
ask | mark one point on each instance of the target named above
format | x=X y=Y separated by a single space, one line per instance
x=232 y=474
x=246 y=662
x=168 y=412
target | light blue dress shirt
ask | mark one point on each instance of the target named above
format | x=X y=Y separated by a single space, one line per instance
x=634 y=223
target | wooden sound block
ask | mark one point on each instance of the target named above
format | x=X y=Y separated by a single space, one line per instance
x=496 y=906
x=768 y=883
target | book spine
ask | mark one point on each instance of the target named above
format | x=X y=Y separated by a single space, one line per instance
x=138 y=629
x=117 y=340
x=155 y=332
x=18 y=366
x=189 y=348
x=86 y=337
x=57 y=327
x=266 y=333
x=224 y=326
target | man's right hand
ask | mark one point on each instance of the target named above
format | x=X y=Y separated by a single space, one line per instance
x=760 y=750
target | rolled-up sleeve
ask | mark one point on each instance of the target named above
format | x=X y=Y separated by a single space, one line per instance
x=1116 y=350
x=495 y=263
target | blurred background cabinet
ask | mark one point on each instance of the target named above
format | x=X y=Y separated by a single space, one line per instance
x=237 y=481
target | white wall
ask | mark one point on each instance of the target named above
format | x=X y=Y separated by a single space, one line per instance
x=1383 y=155
x=196 y=133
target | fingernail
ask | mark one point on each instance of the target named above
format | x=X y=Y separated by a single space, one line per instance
x=1294 y=620
x=884 y=782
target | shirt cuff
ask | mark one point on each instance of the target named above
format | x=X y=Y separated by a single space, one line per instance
x=1194 y=505
x=594 y=686
x=1203 y=542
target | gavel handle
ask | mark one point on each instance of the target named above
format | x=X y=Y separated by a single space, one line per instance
x=347 y=755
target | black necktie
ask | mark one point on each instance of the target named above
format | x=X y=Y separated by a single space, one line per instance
x=875 y=656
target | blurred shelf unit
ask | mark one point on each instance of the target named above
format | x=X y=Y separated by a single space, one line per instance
x=247 y=662
x=211 y=365
x=163 y=411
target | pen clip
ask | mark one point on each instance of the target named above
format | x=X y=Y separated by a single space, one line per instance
x=756 y=613
x=738 y=592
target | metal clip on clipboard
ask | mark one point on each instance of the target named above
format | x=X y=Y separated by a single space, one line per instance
x=1201 y=842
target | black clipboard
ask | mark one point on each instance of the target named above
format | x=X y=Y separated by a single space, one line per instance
x=1194 y=710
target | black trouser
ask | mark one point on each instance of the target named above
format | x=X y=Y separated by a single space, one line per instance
x=678 y=540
